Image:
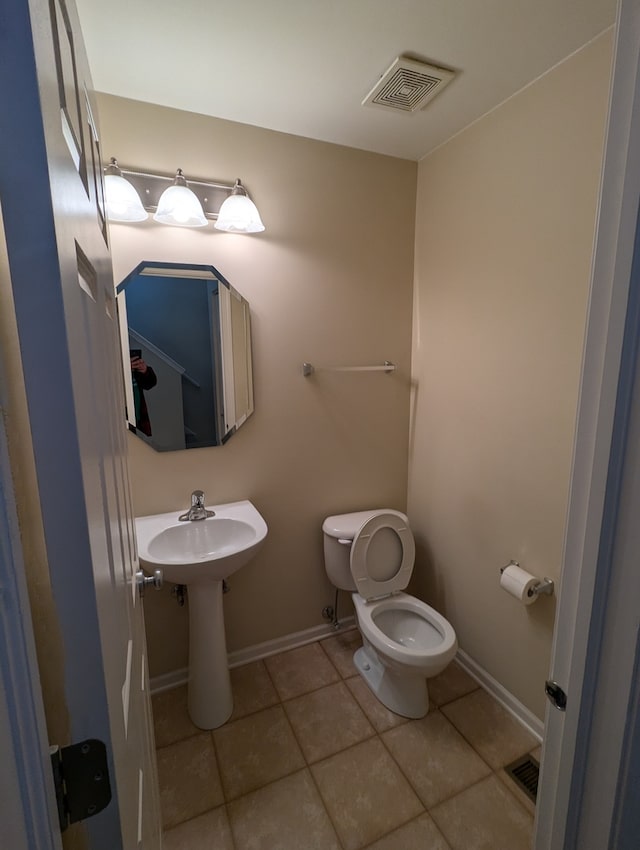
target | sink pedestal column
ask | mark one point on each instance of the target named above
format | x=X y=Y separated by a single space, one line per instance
x=210 y=701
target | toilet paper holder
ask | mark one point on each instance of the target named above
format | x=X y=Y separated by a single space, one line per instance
x=545 y=585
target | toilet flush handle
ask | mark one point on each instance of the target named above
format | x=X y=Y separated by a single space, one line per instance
x=345 y=541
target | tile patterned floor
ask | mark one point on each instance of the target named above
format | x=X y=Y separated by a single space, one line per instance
x=310 y=760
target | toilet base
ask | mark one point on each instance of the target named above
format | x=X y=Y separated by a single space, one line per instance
x=404 y=694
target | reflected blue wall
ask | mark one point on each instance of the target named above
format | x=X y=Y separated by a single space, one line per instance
x=175 y=314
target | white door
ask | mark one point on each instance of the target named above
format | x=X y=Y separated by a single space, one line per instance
x=586 y=799
x=57 y=245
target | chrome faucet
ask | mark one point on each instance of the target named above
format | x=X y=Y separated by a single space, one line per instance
x=197 y=509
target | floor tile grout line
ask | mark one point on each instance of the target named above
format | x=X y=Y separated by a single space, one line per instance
x=343 y=750
x=411 y=820
x=324 y=806
x=267 y=784
x=304 y=769
x=316 y=690
x=403 y=720
x=428 y=809
x=209 y=734
x=402 y=771
x=271 y=781
x=331 y=661
x=453 y=723
x=181 y=740
x=295 y=737
x=459 y=697
x=315 y=643
x=281 y=700
x=234 y=844
x=263 y=661
x=349 y=695
x=310 y=691
x=222 y=805
x=217 y=758
x=474 y=748
x=462 y=791
x=477 y=687
x=260 y=662
x=466 y=740
x=352 y=746
x=308 y=764
x=343 y=679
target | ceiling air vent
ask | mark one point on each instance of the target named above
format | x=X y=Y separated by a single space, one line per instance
x=407 y=85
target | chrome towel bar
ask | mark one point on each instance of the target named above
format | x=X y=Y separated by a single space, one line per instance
x=308 y=369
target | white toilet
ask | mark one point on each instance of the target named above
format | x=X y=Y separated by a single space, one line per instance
x=405 y=640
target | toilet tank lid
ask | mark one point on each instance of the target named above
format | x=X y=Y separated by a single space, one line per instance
x=345 y=526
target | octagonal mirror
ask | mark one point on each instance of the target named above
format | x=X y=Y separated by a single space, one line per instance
x=186 y=353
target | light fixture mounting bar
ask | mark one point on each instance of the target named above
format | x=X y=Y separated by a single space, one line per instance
x=151 y=186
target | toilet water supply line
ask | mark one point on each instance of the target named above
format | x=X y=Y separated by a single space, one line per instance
x=331 y=613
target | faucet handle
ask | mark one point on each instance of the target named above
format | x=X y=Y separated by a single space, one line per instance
x=197 y=499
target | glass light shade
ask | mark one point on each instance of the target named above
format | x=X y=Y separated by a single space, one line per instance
x=238 y=214
x=122 y=201
x=179 y=206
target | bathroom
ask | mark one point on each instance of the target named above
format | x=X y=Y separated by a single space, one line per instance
x=488 y=404
x=472 y=434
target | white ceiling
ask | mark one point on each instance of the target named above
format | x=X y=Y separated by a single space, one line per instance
x=304 y=66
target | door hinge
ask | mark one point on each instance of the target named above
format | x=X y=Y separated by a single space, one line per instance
x=81 y=779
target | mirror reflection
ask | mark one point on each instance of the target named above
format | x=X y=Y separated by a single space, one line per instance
x=186 y=340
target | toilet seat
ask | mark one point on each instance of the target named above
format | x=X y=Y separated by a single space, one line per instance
x=433 y=655
x=382 y=556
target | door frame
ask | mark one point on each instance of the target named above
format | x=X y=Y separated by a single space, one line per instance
x=27 y=797
x=585 y=744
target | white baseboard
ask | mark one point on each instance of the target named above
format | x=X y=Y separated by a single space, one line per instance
x=521 y=713
x=292 y=641
x=166 y=681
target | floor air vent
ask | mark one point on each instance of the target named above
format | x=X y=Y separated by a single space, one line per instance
x=525 y=772
x=407 y=85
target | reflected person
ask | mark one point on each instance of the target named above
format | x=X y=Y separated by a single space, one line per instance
x=144 y=378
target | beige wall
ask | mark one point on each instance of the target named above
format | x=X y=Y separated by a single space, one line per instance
x=505 y=222
x=330 y=282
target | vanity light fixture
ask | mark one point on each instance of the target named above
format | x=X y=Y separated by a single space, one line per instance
x=179 y=206
x=122 y=201
x=227 y=204
x=238 y=214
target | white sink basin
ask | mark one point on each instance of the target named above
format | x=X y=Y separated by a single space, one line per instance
x=201 y=551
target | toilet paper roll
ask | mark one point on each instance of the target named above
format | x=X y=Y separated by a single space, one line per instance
x=519 y=583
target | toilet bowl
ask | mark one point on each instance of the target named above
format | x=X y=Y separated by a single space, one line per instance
x=405 y=641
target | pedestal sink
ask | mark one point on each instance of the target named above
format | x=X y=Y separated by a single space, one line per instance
x=200 y=554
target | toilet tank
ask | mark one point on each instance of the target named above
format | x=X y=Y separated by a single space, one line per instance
x=344 y=527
